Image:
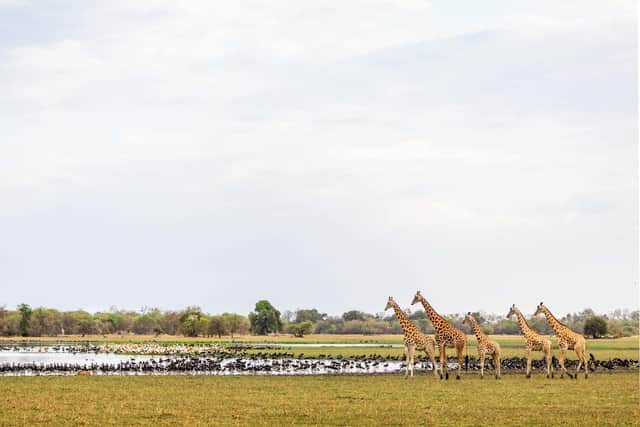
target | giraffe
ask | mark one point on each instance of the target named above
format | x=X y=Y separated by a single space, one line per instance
x=567 y=340
x=413 y=338
x=446 y=336
x=534 y=341
x=485 y=345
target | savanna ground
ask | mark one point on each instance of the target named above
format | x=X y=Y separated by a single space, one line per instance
x=603 y=399
x=606 y=398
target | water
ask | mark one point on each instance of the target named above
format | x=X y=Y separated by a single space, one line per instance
x=66 y=360
x=53 y=357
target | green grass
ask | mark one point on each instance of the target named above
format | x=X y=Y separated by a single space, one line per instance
x=512 y=345
x=319 y=400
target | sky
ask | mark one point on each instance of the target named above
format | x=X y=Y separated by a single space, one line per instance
x=320 y=154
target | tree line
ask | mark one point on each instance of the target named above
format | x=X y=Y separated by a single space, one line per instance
x=266 y=319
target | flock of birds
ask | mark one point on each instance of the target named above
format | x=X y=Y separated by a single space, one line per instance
x=273 y=364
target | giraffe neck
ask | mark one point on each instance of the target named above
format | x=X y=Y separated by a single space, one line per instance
x=553 y=322
x=524 y=326
x=405 y=323
x=476 y=330
x=433 y=315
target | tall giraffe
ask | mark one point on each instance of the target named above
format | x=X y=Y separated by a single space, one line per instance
x=446 y=336
x=413 y=338
x=567 y=340
x=485 y=345
x=534 y=341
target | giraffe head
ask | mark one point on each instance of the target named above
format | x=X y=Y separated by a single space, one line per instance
x=390 y=303
x=512 y=311
x=539 y=309
x=467 y=318
x=416 y=298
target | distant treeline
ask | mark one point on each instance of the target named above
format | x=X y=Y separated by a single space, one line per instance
x=193 y=322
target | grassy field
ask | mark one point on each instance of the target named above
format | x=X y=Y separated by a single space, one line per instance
x=319 y=400
x=512 y=345
x=602 y=349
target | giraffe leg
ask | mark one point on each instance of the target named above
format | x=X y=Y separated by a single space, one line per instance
x=586 y=361
x=481 y=364
x=575 y=377
x=431 y=354
x=563 y=352
x=406 y=367
x=547 y=353
x=528 y=363
x=460 y=349
x=496 y=362
x=580 y=351
x=412 y=352
x=444 y=369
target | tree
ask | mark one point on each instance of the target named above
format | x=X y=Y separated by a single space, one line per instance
x=192 y=322
x=217 y=326
x=144 y=324
x=312 y=315
x=25 y=318
x=169 y=322
x=300 y=329
x=595 y=326
x=235 y=323
x=417 y=315
x=353 y=315
x=45 y=322
x=265 y=318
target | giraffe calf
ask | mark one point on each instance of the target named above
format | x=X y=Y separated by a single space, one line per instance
x=485 y=346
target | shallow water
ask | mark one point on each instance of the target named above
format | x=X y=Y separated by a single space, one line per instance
x=50 y=357
x=62 y=360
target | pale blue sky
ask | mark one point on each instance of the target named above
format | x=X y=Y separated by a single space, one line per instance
x=318 y=154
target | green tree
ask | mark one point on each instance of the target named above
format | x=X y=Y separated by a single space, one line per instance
x=595 y=326
x=353 y=315
x=311 y=315
x=300 y=329
x=265 y=318
x=192 y=322
x=25 y=318
x=417 y=315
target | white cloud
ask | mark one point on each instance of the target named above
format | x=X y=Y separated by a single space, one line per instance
x=367 y=141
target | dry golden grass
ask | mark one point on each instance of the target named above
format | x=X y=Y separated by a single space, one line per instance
x=319 y=400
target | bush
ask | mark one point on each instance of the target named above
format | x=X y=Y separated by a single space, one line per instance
x=300 y=329
x=595 y=326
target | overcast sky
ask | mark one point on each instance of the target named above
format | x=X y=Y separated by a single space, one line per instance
x=318 y=154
